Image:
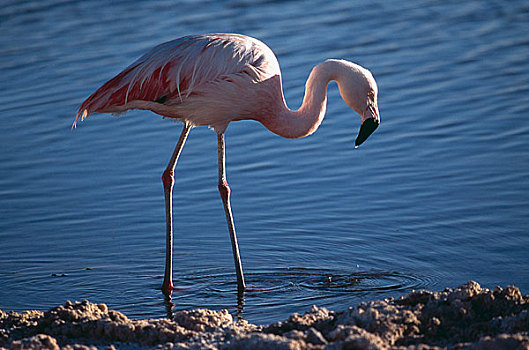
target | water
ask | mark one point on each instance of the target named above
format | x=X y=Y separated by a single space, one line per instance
x=438 y=195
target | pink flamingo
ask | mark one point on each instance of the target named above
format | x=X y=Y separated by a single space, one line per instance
x=214 y=79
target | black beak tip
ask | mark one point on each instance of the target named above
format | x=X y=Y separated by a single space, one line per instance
x=367 y=128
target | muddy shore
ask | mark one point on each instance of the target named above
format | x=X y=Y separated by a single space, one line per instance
x=468 y=317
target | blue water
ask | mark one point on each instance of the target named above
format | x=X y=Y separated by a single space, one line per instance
x=437 y=196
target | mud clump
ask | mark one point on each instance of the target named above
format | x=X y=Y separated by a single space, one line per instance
x=468 y=317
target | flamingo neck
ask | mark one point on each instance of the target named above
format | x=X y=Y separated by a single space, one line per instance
x=306 y=120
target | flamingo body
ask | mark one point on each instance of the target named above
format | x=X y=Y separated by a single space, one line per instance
x=203 y=79
x=214 y=79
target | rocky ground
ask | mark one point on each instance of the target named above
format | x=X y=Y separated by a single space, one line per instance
x=468 y=317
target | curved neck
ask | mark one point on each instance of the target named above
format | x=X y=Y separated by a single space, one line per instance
x=303 y=122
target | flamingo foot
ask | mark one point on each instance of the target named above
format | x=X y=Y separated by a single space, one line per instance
x=168 y=288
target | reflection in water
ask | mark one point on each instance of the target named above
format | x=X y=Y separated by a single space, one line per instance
x=169 y=305
x=240 y=305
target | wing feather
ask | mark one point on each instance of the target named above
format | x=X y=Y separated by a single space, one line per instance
x=170 y=72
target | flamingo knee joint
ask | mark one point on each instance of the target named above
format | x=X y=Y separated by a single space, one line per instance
x=168 y=179
x=224 y=190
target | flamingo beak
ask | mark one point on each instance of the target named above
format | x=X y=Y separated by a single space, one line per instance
x=369 y=125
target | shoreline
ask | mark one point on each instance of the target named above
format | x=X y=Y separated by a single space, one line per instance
x=467 y=317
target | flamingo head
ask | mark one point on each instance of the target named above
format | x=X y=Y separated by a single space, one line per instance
x=359 y=90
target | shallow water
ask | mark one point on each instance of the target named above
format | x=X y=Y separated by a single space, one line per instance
x=438 y=195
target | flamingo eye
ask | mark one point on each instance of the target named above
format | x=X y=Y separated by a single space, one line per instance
x=371 y=104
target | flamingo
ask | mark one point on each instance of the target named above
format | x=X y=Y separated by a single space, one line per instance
x=214 y=79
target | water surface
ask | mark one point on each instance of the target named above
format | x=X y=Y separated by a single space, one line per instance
x=437 y=196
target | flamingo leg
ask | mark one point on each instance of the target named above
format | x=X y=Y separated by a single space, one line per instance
x=224 y=190
x=168 y=182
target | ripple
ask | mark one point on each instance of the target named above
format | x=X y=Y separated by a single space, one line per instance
x=336 y=281
x=273 y=293
x=298 y=283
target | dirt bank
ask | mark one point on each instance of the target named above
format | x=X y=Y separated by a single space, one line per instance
x=468 y=317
